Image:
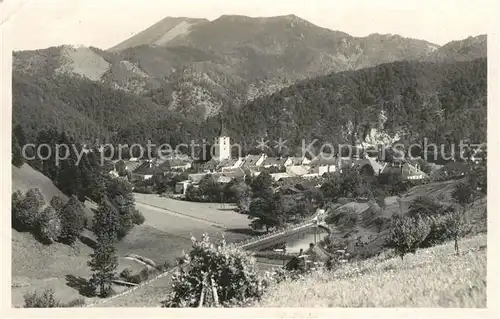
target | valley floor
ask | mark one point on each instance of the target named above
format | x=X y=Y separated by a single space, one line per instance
x=433 y=277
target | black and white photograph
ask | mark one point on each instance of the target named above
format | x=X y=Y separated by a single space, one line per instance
x=247 y=154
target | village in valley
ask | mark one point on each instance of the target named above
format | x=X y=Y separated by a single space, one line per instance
x=283 y=170
x=316 y=188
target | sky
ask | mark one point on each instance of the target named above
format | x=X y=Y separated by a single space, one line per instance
x=36 y=24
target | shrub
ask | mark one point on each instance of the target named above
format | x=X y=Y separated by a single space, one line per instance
x=49 y=225
x=44 y=300
x=331 y=263
x=135 y=279
x=226 y=270
x=125 y=274
x=406 y=234
x=137 y=217
x=438 y=232
x=142 y=276
x=379 y=222
x=424 y=206
x=78 y=302
x=194 y=194
x=144 y=189
x=107 y=292
x=167 y=265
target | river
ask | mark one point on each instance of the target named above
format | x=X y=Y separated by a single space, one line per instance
x=301 y=241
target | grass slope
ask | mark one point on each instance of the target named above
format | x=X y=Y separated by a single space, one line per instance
x=26 y=177
x=36 y=267
x=434 y=277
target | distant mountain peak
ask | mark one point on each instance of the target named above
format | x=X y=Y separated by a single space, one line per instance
x=160 y=33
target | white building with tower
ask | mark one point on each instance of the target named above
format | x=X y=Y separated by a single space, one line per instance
x=222 y=144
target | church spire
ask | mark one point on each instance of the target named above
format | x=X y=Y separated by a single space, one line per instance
x=222 y=131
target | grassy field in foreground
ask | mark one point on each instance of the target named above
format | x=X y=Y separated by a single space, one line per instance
x=434 y=277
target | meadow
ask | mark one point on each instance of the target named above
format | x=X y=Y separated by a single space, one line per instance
x=433 y=277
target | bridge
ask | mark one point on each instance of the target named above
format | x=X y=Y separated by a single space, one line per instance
x=277 y=237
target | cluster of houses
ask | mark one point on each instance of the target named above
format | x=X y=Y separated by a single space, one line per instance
x=225 y=168
x=282 y=168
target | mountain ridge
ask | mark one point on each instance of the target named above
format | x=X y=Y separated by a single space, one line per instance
x=232 y=60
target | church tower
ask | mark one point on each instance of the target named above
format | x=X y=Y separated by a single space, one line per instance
x=222 y=144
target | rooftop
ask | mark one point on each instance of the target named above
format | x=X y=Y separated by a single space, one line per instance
x=146 y=168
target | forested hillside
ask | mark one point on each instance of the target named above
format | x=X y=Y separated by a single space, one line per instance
x=87 y=110
x=442 y=102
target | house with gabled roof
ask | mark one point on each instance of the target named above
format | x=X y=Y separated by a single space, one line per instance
x=413 y=172
x=176 y=164
x=324 y=159
x=296 y=161
x=145 y=171
x=273 y=162
x=222 y=179
x=297 y=170
x=323 y=163
x=405 y=171
x=130 y=166
x=254 y=160
x=232 y=163
x=279 y=176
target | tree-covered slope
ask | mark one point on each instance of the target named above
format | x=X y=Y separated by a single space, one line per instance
x=442 y=102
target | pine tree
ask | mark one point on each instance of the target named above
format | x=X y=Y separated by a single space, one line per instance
x=103 y=261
